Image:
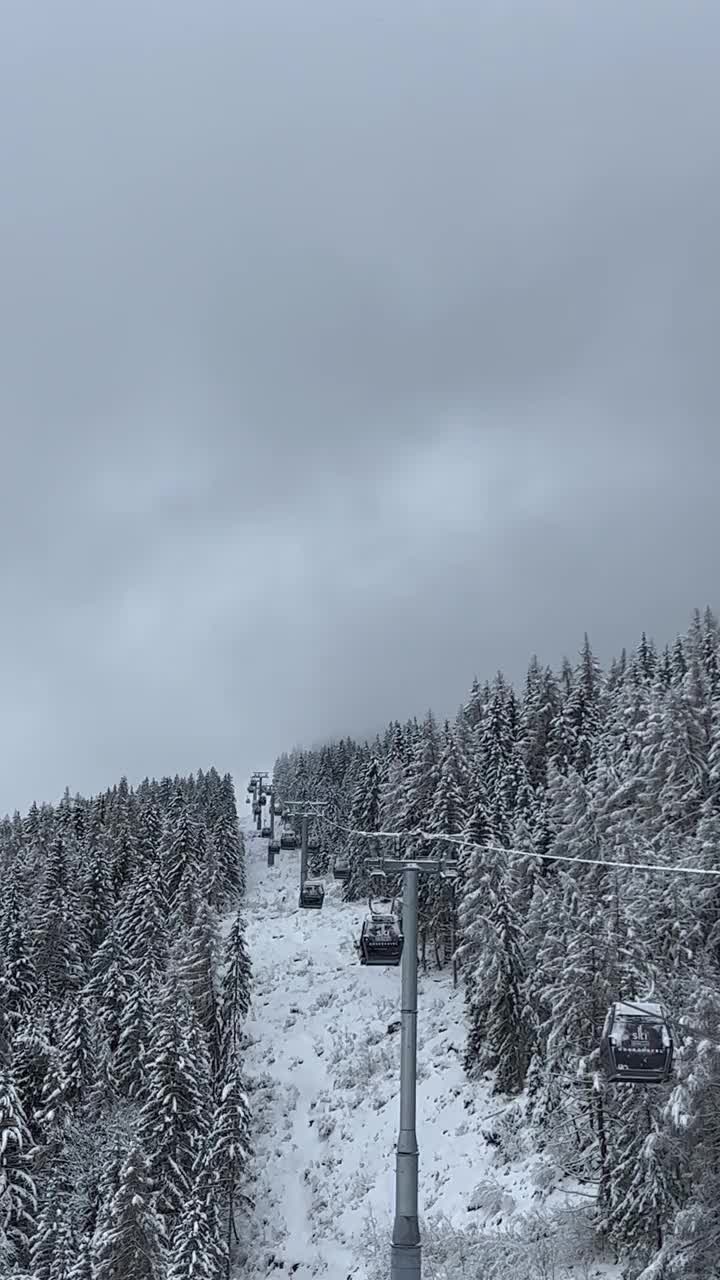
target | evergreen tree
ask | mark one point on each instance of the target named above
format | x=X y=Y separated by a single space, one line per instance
x=19 y=977
x=128 y=1069
x=228 y=1153
x=55 y=1244
x=96 y=895
x=175 y=1116
x=507 y=1030
x=131 y=1237
x=421 y=775
x=82 y=1267
x=77 y=1061
x=199 y=968
x=644 y=1187
x=234 y=992
x=228 y=846
x=197 y=1251
x=365 y=816
x=180 y=847
x=108 y=983
x=18 y=1197
x=57 y=956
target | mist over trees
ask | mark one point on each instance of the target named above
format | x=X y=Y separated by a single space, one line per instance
x=605 y=766
x=124 y=1120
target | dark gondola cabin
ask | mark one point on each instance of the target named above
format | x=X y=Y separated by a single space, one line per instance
x=287 y=840
x=636 y=1045
x=341 y=869
x=265 y=833
x=274 y=846
x=313 y=894
x=381 y=939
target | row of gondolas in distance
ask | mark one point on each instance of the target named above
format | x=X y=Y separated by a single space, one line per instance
x=636 y=1044
x=381 y=936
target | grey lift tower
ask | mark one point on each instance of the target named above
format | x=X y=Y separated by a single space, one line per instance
x=405 y=1250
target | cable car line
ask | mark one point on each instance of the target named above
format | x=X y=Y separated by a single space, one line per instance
x=464 y=843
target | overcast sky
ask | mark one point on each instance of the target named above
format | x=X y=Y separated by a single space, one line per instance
x=348 y=348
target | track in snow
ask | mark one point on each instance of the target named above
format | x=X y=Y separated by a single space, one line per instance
x=312 y=1003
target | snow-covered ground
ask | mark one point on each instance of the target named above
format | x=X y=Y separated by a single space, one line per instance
x=323 y=1065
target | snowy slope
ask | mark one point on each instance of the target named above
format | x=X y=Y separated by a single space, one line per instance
x=323 y=1067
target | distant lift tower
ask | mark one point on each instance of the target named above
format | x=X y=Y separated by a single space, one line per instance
x=260 y=795
x=306 y=809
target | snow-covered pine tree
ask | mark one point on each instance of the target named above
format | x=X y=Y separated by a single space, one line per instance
x=144 y=920
x=448 y=816
x=492 y=953
x=123 y=853
x=19 y=976
x=108 y=982
x=644 y=1183
x=128 y=1066
x=230 y=853
x=18 y=1196
x=131 y=1238
x=96 y=894
x=226 y=1159
x=180 y=847
x=691 y=1248
x=55 y=1243
x=77 y=1058
x=421 y=775
x=391 y=798
x=57 y=956
x=197 y=1251
x=364 y=816
x=82 y=1267
x=482 y=873
x=539 y=708
x=234 y=1003
x=175 y=1117
x=198 y=961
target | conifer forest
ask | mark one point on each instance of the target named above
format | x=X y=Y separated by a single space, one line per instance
x=583 y=812
x=584 y=805
x=124 y=1119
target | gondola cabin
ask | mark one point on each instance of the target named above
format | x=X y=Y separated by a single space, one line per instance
x=312 y=894
x=381 y=939
x=288 y=840
x=341 y=870
x=265 y=833
x=636 y=1045
x=274 y=846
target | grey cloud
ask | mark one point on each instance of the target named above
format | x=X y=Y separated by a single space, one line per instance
x=344 y=350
